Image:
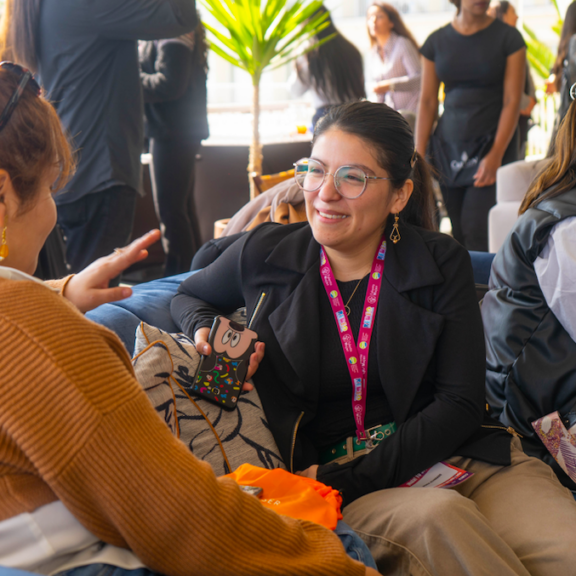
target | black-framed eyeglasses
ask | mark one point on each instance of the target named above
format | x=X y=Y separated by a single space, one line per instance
x=349 y=181
x=26 y=78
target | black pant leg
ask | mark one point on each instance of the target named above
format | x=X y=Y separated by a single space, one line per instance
x=96 y=224
x=477 y=202
x=172 y=187
x=453 y=200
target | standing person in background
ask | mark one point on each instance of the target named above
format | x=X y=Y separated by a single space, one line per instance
x=562 y=75
x=333 y=73
x=482 y=62
x=506 y=12
x=395 y=61
x=85 y=53
x=174 y=84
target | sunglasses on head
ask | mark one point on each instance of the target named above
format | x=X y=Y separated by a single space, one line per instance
x=26 y=78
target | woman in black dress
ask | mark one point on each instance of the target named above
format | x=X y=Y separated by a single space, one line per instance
x=482 y=63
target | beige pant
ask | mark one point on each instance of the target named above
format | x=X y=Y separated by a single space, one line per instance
x=505 y=520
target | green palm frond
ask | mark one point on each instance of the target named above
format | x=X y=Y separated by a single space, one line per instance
x=255 y=34
x=555 y=4
x=539 y=56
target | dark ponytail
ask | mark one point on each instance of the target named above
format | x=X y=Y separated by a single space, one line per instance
x=390 y=136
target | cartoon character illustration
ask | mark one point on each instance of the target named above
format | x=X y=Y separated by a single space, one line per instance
x=221 y=374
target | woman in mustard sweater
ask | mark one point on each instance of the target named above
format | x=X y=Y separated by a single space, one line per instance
x=91 y=478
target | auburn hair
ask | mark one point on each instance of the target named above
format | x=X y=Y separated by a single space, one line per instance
x=559 y=175
x=394 y=16
x=32 y=142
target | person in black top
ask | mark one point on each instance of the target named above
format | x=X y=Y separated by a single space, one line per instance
x=482 y=63
x=85 y=54
x=174 y=84
x=505 y=11
x=309 y=291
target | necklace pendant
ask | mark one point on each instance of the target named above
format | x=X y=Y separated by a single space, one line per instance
x=347 y=308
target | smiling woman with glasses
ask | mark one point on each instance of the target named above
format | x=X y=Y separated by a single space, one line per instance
x=373 y=368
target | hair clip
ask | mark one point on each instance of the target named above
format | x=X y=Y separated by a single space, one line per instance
x=573 y=91
x=415 y=157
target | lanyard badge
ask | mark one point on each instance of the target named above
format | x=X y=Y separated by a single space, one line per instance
x=356 y=353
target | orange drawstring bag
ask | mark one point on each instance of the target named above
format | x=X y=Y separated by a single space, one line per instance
x=291 y=495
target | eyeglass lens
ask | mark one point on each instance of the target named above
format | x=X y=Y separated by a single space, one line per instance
x=348 y=180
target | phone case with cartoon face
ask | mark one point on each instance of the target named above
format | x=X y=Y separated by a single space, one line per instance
x=221 y=374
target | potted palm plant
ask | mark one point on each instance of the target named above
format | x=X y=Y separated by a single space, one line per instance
x=259 y=35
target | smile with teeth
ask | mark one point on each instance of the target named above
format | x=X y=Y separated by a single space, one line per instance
x=332 y=216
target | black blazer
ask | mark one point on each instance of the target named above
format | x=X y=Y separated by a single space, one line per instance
x=431 y=351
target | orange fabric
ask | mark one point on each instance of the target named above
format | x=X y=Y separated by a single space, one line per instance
x=291 y=495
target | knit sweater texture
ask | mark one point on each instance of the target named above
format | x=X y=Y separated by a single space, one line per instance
x=76 y=426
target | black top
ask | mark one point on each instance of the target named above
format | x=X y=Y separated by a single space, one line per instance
x=334 y=419
x=88 y=65
x=472 y=69
x=430 y=353
x=174 y=87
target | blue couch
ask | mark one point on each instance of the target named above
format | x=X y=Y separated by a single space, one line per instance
x=150 y=303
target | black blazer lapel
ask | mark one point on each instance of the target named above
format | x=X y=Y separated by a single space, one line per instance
x=295 y=321
x=403 y=356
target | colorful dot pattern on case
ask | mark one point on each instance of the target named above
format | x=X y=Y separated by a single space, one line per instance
x=221 y=383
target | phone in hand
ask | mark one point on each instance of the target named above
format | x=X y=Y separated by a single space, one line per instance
x=221 y=374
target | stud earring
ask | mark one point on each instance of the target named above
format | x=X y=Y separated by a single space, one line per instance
x=3 y=245
x=395 y=235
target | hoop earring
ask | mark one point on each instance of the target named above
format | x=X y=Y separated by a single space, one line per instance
x=3 y=245
x=395 y=234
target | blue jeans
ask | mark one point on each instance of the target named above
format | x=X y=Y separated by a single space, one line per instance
x=354 y=546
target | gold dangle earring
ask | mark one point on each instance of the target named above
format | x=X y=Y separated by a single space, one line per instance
x=395 y=235
x=3 y=245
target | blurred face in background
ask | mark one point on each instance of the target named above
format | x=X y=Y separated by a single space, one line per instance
x=475 y=7
x=510 y=17
x=378 y=22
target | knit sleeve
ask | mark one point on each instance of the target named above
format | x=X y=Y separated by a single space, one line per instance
x=84 y=423
x=61 y=284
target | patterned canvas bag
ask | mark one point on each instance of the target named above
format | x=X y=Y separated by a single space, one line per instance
x=165 y=365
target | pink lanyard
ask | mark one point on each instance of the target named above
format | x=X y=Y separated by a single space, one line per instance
x=356 y=355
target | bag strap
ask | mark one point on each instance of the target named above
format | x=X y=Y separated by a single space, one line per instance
x=216 y=435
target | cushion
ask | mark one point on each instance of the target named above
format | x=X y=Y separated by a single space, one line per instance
x=165 y=365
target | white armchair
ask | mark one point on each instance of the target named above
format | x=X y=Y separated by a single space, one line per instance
x=512 y=182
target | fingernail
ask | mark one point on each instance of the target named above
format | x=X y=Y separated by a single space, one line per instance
x=126 y=292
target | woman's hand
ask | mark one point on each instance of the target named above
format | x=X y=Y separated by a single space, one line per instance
x=202 y=346
x=382 y=87
x=551 y=86
x=309 y=472
x=486 y=173
x=528 y=110
x=89 y=288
